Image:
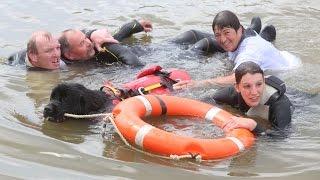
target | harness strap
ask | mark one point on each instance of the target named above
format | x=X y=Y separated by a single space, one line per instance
x=116 y=92
x=104 y=49
x=166 y=81
x=122 y=94
x=152 y=87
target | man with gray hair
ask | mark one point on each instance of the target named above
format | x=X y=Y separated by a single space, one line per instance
x=99 y=45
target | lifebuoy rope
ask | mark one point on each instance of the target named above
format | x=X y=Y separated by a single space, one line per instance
x=86 y=116
x=109 y=116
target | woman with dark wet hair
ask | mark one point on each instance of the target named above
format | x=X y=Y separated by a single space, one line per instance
x=256 y=96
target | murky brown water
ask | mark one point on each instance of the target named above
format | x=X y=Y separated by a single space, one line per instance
x=31 y=148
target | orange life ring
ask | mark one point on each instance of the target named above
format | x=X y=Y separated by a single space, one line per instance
x=129 y=112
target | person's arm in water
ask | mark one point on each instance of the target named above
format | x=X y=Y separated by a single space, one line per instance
x=133 y=27
x=279 y=113
x=279 y=117
x=101 y=36
x=240 y=122
x=218 y=81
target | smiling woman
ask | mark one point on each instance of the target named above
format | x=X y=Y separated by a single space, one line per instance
x=257 y=96
x=227 y=30
x=244 y=45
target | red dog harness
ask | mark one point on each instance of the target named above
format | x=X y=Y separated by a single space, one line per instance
x=153 y=80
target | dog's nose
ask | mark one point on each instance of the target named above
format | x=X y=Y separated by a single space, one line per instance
x=51 y=119
x=47 y=111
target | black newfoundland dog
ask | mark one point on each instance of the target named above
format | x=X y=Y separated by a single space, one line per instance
x=74 y=98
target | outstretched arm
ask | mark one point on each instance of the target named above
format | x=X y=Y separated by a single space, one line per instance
x=132 y=28
x=100 y=36
x=218 y=81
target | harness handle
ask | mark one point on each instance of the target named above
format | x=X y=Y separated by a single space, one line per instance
x=116 y=92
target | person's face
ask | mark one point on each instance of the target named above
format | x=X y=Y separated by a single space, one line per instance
x=251 y=88
x=48 y=56
x=228 y=38
x=81 y=48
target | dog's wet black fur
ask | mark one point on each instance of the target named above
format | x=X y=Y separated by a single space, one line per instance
x=74 y=98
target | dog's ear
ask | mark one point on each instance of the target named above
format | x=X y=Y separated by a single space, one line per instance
x=62 y=96
x=59 y=93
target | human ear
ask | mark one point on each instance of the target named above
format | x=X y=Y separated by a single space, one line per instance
x=33 y=57
x=236 y=86
x=239 y=31
x=68 y=55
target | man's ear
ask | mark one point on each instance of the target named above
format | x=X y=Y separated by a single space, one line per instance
x=33 y=57
x=68 y=55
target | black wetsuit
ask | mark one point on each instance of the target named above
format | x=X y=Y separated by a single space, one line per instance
x=18 y=58
x=116 y=52
x=279 y=115
x=206 y=42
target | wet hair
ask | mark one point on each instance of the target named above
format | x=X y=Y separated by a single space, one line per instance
x=247 y=67
x=32 y=43
x=226 y=19
x=64 y=43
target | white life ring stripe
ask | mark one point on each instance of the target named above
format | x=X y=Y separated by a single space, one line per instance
x=237 y=142
x=146 y=104
x=142 y=132
x=212 y=113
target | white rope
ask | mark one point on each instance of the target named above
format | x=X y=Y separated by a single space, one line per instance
x=172 y=157
x=197 y=157
x=86 y=116
x=110 y=117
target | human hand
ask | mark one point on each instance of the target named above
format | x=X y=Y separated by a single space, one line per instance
x=146 y=24
x=98 y=37
x=239 y=122
x=184 y=84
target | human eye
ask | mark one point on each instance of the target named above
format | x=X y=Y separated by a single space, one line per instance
x=259 y=84
x=226 y=32
x=246 y=86
x=48 y=50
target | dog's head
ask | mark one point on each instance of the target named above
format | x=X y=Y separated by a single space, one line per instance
x=74 y=98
